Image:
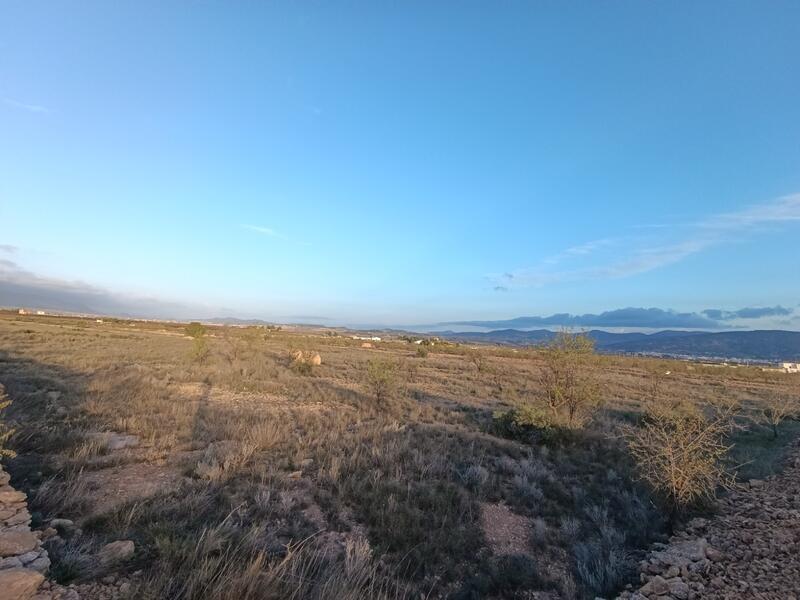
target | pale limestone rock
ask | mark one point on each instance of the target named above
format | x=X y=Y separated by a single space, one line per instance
x=19 y=584
x=13 y=543
x=116 y=552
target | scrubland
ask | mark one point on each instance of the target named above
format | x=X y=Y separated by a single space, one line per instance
x=397 y=471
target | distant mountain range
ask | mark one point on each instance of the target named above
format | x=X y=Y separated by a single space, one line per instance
x=764 y=345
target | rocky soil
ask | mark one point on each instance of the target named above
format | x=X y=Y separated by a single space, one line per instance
x=751 y=549
x=24 y=561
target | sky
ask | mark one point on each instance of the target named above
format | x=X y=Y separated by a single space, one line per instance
x=403 y=163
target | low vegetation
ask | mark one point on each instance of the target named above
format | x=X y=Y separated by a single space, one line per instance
x=775 y=409
x=367 y=473
x=680 y=452
x=5 y=429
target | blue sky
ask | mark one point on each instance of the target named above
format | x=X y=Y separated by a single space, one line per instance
x=403 y=163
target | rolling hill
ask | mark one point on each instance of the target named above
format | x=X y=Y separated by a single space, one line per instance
x=763 y=345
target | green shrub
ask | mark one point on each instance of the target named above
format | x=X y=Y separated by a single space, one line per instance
x=195 y=329
x=302 y=367
x=422 y=351
x=382 y=378
x=529 y=423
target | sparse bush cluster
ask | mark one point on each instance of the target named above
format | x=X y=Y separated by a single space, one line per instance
x=570 y=388
x=679 y=452
x=776 y=409
x=529 y=423
x=382 y=378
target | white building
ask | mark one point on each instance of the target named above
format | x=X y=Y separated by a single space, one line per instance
x=791 y=367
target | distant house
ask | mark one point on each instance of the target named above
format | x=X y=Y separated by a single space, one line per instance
x=791 y=367
x=22 y=311
x=40 y=312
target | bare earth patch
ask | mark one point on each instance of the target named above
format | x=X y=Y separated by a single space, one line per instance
x=112 y=488
x=505 y=531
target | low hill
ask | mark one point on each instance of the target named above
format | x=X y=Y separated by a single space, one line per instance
x=768 y=345
x=764 y=345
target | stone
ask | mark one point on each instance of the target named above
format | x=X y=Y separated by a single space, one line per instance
x=315 y=359
x=115 y=441
x=22 y=516
x=713 y=555
x=4 y=478
x=678 y=589
x=672 y=572
x=54 y=396
x=13 y=543
x=28 y=557
x=657 y=586
x=61 y=524
x=118 y=441
x=19 y=584
x=756 y=483
x=697 y=523
x=41 y=564
x=295 y=475
x=306 y=462
x=7 y=512
x=116 y=552
x=10 y=496
x=10 y=562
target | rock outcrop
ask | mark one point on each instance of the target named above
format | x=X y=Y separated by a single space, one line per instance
x=23 y=561
x=750 y=550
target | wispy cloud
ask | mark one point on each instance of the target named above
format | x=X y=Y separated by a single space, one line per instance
x=641 y=254
x=34 y=108
x=10 y=249
x=268 y=231
x=584 y=249
x=750 y=312
x=782 y=210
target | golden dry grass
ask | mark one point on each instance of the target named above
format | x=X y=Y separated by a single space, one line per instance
x=307 y=483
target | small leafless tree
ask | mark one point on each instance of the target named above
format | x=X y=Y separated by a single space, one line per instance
x=477 y=358
x=775 y=409
x=679 y=452
x=570 y=388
